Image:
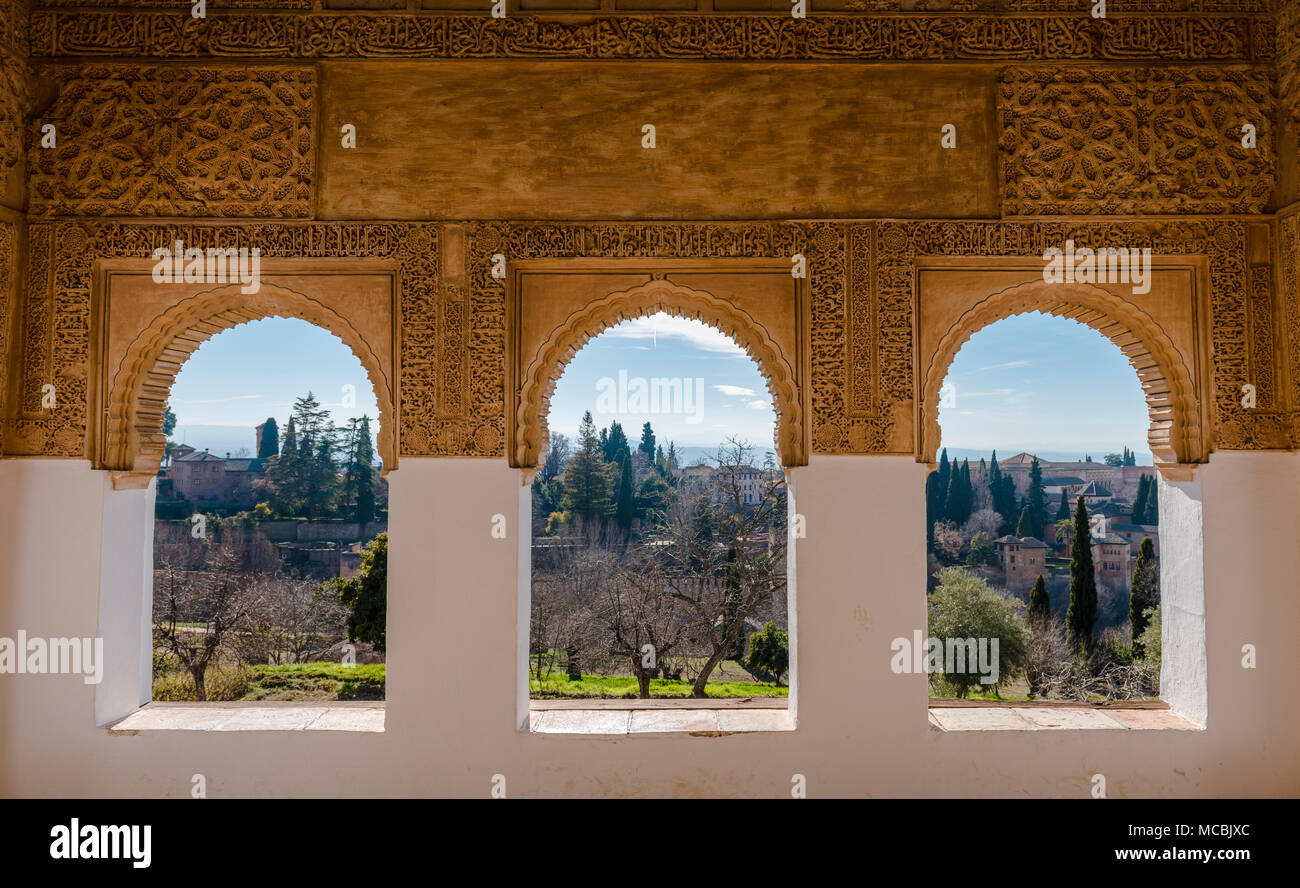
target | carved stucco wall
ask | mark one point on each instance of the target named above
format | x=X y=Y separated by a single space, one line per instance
x=13 y=85
x=151 y=140
x=8 y=260
x=1055 y=122
x=453 y=338
x=1120 y=141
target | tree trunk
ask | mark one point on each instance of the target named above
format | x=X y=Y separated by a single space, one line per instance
x=697 y=690
x=200 y=690
x=573 y=662
x=643 y=683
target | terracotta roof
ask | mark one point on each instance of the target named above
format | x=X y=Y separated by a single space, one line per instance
x=1024 y=542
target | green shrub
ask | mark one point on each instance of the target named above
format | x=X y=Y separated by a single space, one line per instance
x=769 y=653
x=1150 y=638
x=966 y=606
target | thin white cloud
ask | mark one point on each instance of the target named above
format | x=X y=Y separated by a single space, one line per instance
x=664 y=326
x=1005 y=366
x=735 y=391
x=758 y=405
x=215 y=400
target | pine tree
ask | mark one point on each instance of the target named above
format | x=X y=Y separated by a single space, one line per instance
x=1081 y=617
x=1040 y=604
x=270 y=445
x=671 y=461
x=1063 y=511
x=1145 y=591
x=616 y=443
x=586 y=478
x=647 y=445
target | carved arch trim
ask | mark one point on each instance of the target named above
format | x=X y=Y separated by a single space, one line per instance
x=530 y=433
x=1175 y=434
x=133 y=443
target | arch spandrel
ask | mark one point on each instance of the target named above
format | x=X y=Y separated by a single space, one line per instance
x=543 y=369
x=132 y=441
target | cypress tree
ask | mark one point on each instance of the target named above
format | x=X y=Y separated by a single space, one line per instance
x=1081 y=617
x=944 y=478
x=360 y=483
x=270 y=445
x=1024 y=527
x=1140 y=500
x=1040 y=604
x=967 y=491
x=625 y=504
x=1063 y=511
x=1145 y=591
x=647 y=445
x=1002 y=488
x=1034 y=500
x=931 y=507
x=1152 y=515
x=952 y=500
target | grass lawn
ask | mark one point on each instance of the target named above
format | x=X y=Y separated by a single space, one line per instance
x=317 y=681
x=625 y=686
x=300 y=682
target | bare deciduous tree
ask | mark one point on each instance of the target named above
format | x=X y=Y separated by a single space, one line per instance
x=221 y=598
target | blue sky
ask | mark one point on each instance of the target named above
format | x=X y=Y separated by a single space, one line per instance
x=1044 y=385
x=241 y=376
x=1037 y=383
x=728 y=396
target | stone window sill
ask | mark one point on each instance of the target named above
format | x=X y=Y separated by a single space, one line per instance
x=359 y=717
x=618 y=718
x=1012 y=717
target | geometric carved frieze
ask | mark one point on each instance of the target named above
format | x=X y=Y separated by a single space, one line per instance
x=967 y=35
x=151 y=140
x=1118 y=141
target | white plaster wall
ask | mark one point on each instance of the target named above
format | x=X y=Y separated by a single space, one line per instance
x=453 y=644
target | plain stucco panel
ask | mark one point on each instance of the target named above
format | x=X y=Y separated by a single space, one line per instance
x=452 y=718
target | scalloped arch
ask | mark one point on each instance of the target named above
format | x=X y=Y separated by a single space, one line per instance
x=1175 y=434
x=660 y=295
x=133 y=438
